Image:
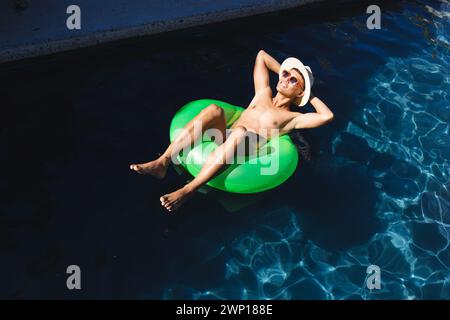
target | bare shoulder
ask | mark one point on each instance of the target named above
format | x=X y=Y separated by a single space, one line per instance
x=292 y=119
x=264 y=94
x=294 y=115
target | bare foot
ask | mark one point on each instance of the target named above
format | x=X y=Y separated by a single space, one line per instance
x=156 y=168
x=174 y=200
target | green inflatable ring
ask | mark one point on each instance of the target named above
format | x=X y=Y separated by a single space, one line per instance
x=257 y=173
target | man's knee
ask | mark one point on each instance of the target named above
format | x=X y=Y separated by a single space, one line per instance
x=214 y=111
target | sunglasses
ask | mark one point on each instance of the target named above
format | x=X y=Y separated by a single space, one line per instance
x=292 y=79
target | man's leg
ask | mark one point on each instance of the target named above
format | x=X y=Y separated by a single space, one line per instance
x=216 y=160
x=211 y=117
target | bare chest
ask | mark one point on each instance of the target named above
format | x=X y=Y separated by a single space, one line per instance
x=264 y=117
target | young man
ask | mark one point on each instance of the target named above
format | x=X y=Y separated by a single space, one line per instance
x=265 y=116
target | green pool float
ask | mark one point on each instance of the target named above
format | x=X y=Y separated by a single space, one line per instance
x=275 y=163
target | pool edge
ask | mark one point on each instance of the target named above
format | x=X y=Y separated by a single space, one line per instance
x=96 y=38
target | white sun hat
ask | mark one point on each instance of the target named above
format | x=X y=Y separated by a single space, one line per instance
x=291 y=63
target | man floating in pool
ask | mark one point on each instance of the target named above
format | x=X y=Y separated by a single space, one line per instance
x=264 y=116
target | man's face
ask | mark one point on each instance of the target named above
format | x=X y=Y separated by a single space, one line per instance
x=291 y=83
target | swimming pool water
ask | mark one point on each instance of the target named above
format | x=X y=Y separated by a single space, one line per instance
x=376 y=191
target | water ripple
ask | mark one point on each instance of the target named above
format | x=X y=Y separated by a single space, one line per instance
x=406 y=116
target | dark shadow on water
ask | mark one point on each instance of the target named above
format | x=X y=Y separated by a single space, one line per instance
x=335 y=207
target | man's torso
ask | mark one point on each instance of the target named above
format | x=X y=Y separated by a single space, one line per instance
x=263 y=118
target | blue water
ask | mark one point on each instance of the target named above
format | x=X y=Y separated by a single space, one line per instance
x=376 y=190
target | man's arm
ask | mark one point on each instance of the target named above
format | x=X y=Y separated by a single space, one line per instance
x=263 y=63
x=316 y=119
